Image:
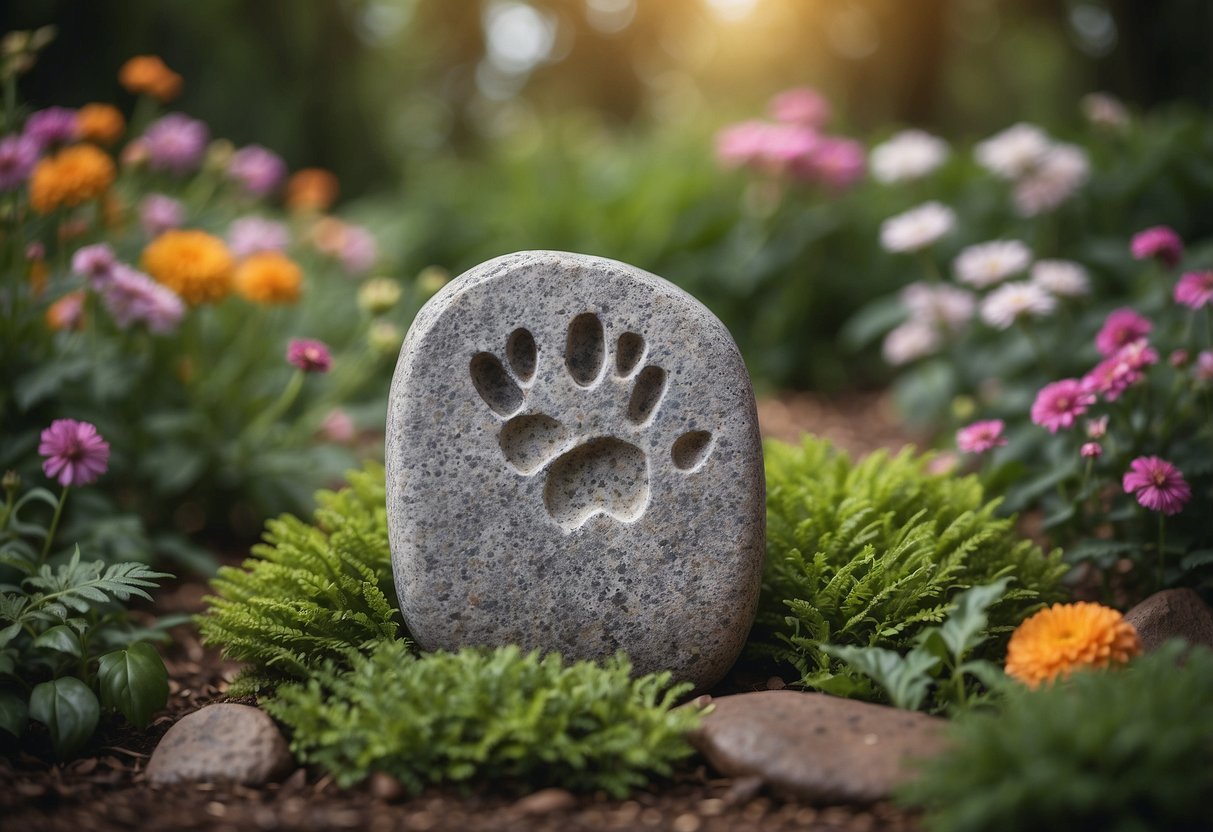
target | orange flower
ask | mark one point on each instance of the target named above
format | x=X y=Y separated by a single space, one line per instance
x=67 y=312
x=311 y=189
x=100 y=123
x=70 y=177
x=194 y=264
x=148 y=75
x=1058 y=640
x=269 y=277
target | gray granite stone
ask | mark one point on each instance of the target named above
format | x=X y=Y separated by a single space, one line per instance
x=574 y=464
x=224 y=742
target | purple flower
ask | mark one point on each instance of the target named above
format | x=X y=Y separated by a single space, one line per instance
x=1122 y=326
x=358 y=250
x=52 y=126
x=18 y=155
x=75 y=453
x=176 y=143
x=259 y=170
x=309 y=355
x=95 y=263
x=1157 y=484
x=1059 y=404
x=250 y=235
x=1160 y=243
x=980 y=437
x=132 y=297
x=159 y=213
x=1195 y=289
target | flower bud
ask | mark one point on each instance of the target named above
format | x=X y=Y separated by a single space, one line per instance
x=431 y=279
x=378 y=295
x=384 y=337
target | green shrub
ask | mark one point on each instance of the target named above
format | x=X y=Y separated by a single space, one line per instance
x=311 y=590
x=869 y=554
x=500 y=714
x=1115 y=751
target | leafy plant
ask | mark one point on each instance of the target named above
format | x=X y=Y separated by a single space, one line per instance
x=310 y=591
x=486 y=714
x=1118 y=751
x=66 y=647
x=870 y=554
x=938 y=661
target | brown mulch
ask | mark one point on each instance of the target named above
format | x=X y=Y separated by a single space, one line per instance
x=104 y=788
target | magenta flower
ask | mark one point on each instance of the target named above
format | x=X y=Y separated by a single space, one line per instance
x=52 y=126
x=1195 y=289
x=1157 y=484
x=739 y=145
x=94 y=263
x=980 y=437
x=159 y=213
x=18 y=155
x=837 y=163
x=309 y=355
x=803 y=106
x=1059 y=404
x=1091 y=450
x=1122 y=326
x=132 y=297
x=75 y=453
x=258 y=170
x=774 y=149
x=176 y=143
x=1160 y=243
x=1120 y=371
x=250 y=235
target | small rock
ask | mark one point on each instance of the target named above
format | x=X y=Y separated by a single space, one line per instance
x=1172 y=613
x=223 y=742
x=545 y=801
x=386 y=787
x=815 y=747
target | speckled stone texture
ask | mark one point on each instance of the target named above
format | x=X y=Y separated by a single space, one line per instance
x=221 y=743
x=573 y=464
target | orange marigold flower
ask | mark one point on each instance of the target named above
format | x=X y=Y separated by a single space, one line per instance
x=194 y=264
x=1065 y=637
x=70 y=177
x=67 y=312
x=311 y=189
x=148 y=75
x=100 y=123
x=269 y=277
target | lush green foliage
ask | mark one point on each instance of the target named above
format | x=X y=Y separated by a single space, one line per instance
x=938 y=665
x=500 y=714
x=66 y=647
x=1110 y=750
x=311 y=590
x=870 y=554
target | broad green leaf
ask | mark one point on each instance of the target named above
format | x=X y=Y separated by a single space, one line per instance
x=9 y=633
x=963 y=629
x=134 y=681
x=61 y=638
x=69 y=709
x=906 y=680
x=14 y=713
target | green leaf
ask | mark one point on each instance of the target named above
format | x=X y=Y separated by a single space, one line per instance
x=69 y=709
x=14 y=713
x=61 y=638
x=9 y=633
x=1200 y=557
x=963 y=629
x=134 y=681
x=905 y=679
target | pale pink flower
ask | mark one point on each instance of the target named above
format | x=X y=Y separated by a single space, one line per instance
x=803 y=106
x=985 y=264
x=980 y=437
x=94 y=263
x=909 y=342
x=1157 y=484
x=75 y=453
x=159 y=213
x=1097 y=428
x=1160 y=243
x=1057 y=175
x=939 y=304
x=309 y=355
x=1062 y=278
x=1014 y=152
x=1203 y=370
x=1104 y=110
x=909 y=155
x=1179 y=358
x=132 y=297
x=359 y=251
x=338 y=427
x=1059 y=404
x=1195 y=289
x=258 y=169
x=1121 y=327
x=917 y=228
x=835 y=162
x=1013 y=301
x=1091 y=450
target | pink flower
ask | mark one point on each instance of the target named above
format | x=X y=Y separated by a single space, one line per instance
x=1091 y=450
x=1059 y=404
x=338 y=427
x=1178 y=358
x=1195 y=289
x=132 y=297
x=1117 y=373
x=1203 y=371
x=835 y=162
x=803 y=106
x=94 y=263
x=1159 y=242
x=1097 y=428
x=1157 y=484
x=1122 y=326
x=309 y=355
x=250 y=235
x=359 y=250
x=176 y=143
x=258 y=170
x=75 y=453
x=980 y=437
x=159 y=213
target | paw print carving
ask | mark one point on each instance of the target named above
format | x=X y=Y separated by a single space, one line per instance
x=589 y=435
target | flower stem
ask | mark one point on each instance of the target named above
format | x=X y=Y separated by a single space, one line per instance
x=50 y=533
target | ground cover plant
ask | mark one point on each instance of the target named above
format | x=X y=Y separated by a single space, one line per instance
x=871 y=554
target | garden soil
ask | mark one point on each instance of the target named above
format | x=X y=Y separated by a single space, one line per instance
x=104 y=789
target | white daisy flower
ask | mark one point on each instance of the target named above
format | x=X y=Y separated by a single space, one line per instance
x=985 y=264
x=909 y=342
x=1061 y=172
x=940 y=305
x=917 y=228
x=1061 y=278
x=1012 y=301
x=1013 y=152
x=909 y=155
